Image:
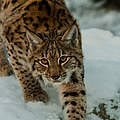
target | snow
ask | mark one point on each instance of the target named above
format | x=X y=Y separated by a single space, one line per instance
x=101 y=58
x=13 y=107
x=107 y=49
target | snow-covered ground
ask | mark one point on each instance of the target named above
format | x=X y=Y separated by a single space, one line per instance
x=102 y=76
x=102 y=67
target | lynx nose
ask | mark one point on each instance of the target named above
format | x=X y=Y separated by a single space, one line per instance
x=55 y=77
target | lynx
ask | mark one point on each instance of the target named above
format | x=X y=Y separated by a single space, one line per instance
x=43 y=41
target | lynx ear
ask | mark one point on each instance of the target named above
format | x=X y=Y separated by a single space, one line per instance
x=73 y=36
x=33 y=40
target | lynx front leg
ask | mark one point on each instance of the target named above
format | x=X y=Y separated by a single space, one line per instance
x=31 y=88
x=73 y=99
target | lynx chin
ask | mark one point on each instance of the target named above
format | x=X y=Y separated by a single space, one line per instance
x=43 y=40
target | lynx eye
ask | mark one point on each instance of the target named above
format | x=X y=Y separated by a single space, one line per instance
x=63 y=59
x=44 y=61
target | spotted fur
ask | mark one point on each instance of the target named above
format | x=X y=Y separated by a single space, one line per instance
x=44 y=41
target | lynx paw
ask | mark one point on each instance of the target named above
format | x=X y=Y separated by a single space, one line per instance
x=41 y=96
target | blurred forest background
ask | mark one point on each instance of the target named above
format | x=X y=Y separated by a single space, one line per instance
x=103 y=14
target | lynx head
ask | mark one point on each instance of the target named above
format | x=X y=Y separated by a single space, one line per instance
x=55 y=56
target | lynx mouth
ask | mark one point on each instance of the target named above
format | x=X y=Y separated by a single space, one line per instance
x=55 y=81
x=48 y=80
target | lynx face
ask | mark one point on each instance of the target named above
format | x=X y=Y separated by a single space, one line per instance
x=55 y=59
